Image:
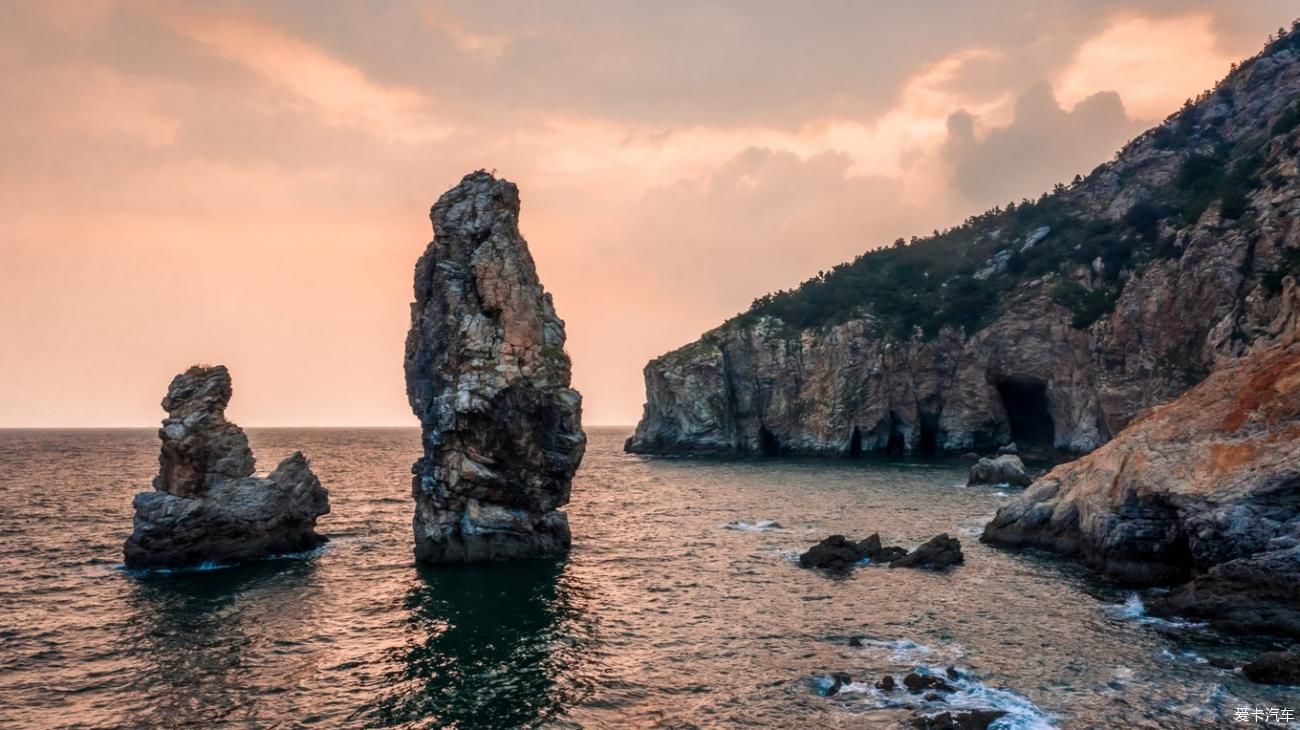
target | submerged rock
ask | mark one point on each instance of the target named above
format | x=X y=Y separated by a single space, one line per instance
x=1204 y=488
x=937 y=553
x=487 y=375
x=1005 y=469
x=890 y=554
x=838 y=681
x=972 y=719
x=917 y=683
x=1275 y=667
x=206 y=505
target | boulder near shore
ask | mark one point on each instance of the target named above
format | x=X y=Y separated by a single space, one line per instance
x=207 y=507
x=1002 y=469
x=488 y=377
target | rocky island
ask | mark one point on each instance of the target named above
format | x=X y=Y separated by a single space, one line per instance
x=207 y=507
x=488 y=377
x=1051 y=322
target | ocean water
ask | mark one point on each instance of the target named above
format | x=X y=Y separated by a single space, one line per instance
x=680 y=606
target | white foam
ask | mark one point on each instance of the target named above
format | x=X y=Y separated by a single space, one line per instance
x=900 y=650
x=203 y=567
x=1133 y=609
x=969 y=694
x=1181 y=657
x=209 y=565
x=759 y=526
x=790 y=555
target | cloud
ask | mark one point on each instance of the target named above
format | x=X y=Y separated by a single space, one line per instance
x=1181 y=51
x=249 y=182
x=339 y=93
x=1042 y=145
x=764 y=219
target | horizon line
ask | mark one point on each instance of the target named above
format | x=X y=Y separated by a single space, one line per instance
x=279 y=426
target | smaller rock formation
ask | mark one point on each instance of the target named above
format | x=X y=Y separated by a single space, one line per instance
x=1004 y=469
x=966 y=719
x=938 y=553
x=1205 y=489
x=487 y=375
x=206 y=505
x=917 y=683
x=838 y=555
x=1275 y=667
x=887 y=683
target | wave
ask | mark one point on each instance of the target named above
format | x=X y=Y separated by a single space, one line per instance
x=969 y=693
x=759 y=526
x=1133 y=609
x=900 y=650
x=209 y=565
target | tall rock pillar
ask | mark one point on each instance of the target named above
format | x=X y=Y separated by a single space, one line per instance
x=487 y=375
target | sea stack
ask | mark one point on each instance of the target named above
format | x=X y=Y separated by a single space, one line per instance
x=487 y=375
x=207 y=507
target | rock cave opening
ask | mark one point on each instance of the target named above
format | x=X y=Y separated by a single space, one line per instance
x=768 y=445
x=855 y=444
x=897 y=444
x=1028 y=413
x=929 y=445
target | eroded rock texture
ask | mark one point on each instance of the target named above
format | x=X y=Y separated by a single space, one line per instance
x=487 y=375
x=1205 y=488
x=206 y=505
x=1174 y=291
x=1003 y=469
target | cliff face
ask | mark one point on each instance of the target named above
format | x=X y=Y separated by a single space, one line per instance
x=1194 y=225
x=487 y=375
x=206 y=505
x=1204 y=487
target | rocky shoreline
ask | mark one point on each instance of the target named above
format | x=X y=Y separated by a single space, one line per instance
x=1202 y=493
x=1076 y=345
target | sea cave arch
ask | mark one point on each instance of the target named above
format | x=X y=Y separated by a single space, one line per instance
x=1029 y=413
x=929 y=443
x=896 y=445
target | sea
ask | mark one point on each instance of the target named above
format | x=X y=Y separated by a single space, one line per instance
x=682 y=605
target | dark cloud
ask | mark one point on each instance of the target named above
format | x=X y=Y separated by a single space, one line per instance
x=713 y=62
x=1043 y=145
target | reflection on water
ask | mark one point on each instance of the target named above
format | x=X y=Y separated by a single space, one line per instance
x=197 y=634
x=664 y=615
x=491 y=646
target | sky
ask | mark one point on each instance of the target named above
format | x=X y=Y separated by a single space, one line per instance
x=249 y=183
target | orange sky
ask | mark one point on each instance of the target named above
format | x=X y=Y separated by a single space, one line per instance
x=249 y=183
